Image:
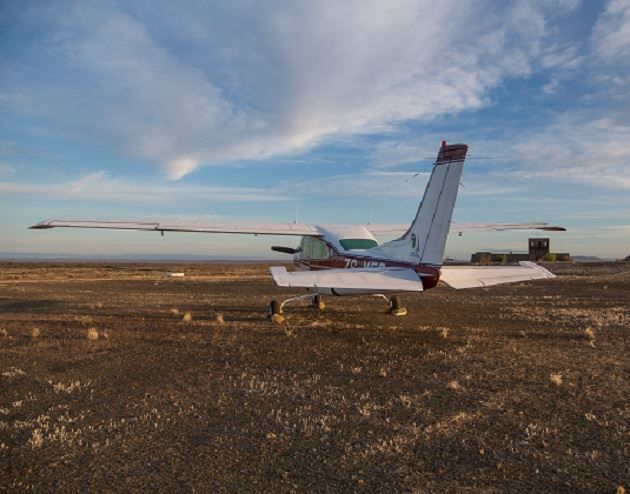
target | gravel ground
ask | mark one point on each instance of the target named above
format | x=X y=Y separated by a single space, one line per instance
x=116 y=378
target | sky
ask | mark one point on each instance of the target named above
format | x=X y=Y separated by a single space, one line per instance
x=331 y=112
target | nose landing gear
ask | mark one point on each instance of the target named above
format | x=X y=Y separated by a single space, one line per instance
x=396 y=309
x=395 y=306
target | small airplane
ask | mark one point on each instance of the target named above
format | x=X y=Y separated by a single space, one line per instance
x=348 y=260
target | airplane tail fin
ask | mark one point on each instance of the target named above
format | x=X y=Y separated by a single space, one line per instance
x=425 y=239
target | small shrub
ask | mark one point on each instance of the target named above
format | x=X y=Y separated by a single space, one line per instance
x=35 y=332
x=588 y=332
x=36 y=439
x=85 y=320
x=556 y=379
x=92 y=334
x=187 y=317
x=405 y=400
x=219 y=319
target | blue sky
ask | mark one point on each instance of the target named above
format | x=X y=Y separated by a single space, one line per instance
x=243 y=110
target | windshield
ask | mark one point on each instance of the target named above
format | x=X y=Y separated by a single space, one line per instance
x=358 y=243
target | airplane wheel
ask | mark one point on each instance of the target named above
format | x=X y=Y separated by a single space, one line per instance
x=396 y=309
x=274 y=308
x=318 y=303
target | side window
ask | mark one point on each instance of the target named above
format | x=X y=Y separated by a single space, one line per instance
x=413 y=241
x=305 y=247
x=318 y=249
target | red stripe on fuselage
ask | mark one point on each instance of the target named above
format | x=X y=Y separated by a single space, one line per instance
x=430 y=275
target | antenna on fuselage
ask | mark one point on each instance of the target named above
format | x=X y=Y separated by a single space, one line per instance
x=297 y=213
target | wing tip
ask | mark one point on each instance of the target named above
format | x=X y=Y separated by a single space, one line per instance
x=42 y=225
x=538 y=267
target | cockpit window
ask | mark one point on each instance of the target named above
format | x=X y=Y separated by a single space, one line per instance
x=313 y=248
x=319 y=249
x=358 y=243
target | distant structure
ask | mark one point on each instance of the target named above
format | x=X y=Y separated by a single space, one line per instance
x=538 y=248
x=538 y=251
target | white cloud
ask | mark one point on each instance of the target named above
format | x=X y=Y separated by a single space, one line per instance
x=98 y=186
x=571 y=149
x=551 y=87
x=610 y=39
x=201 y=85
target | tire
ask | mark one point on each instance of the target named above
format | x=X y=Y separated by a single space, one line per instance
x=274 y=308
x=317 y=302
x=395 y=302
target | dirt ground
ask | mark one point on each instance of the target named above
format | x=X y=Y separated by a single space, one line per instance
x=117 y=378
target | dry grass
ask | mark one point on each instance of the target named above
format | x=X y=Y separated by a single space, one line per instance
x=556 y=379
x=35 y=332
x=219 y=319
x=277 y=318
x=92 y=334
x=589 y=333
x=187 y=317
x=405 y=400
x=174 y=311
x=351 y=399
x=85 y=320
x=444 y=332
x=36 y=439
x=454 y=385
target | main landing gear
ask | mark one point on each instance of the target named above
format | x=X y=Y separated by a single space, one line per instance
x=276 y=309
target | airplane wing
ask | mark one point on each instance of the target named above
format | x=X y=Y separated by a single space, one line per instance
x=384 y=279
x=251 y=228
x=478 y=276
x=271 y=228
x=468 y=227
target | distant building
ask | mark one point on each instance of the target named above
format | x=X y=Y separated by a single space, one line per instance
x=538 y=248
x=538 y=251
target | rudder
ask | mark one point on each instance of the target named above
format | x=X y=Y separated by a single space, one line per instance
x=425 y=240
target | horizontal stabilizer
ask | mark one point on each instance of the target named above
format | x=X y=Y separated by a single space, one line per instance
x=478 y=276
x=380 y=279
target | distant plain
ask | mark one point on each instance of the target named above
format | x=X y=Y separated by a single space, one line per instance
x=115 y=377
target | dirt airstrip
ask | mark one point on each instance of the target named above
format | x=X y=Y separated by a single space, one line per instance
x=114 y=377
